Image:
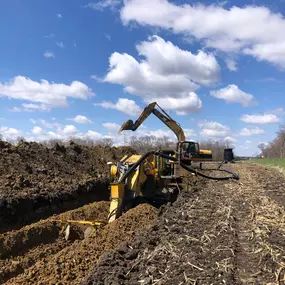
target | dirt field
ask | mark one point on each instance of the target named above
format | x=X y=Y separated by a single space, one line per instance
x=217 y=232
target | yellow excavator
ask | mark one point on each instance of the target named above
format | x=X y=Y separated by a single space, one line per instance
x=154 y=177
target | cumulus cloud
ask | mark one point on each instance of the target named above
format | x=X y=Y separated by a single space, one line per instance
x=111 y=127
x=260 y=119
x=230 y=139
x=61 y=133
x=251 y=30
x=189 y=103
x=101 y=5
x=166 y=74
x=47 y=95
x=49 y=54
x=252 y=131
x=232 y=94
x=79 y=119
x=213 y=129
x=9 y=133
x=38 y=131
x=69 y=130
x=123 y=105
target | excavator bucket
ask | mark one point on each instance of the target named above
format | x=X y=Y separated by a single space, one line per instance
x=127 y=126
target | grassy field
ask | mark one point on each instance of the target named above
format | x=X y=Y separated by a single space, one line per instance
x=271 y=161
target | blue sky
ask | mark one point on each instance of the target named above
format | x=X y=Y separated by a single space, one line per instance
x=81 y=68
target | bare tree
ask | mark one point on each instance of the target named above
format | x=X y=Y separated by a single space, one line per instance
x=276 y=148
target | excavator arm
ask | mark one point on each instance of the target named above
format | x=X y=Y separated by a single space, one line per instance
x=161 y=115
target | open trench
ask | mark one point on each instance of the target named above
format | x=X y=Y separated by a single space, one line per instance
x=28 y=253
x=19 y=211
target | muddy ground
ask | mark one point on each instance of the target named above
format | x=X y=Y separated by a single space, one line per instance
x=36 y=181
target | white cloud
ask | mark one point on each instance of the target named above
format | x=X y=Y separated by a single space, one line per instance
x=34 y=107
x=253 y=131
x=189 y=103
x=46 y=124
x=97 y=78
x=48 y=95
x=62 y=133
x=79 y=119
x=111 y=127
x=123 y=105
x=260 y=119
x=9 y=133
x=232 y=94
x=167 y=74
x=49 y=54
x=253 y=30
x=189 y=133
x=59 y=16
x=231 y=64
x=278 y=111
x=69 y=130
x=60 y=44
x=230 y=139
x=93 y=135
x=38 y=131
x=101 y=5
x=213 y=129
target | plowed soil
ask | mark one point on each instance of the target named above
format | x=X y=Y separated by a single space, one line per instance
x=72 y=263
x=229 y=232
x=50 y=180
x=20 y=249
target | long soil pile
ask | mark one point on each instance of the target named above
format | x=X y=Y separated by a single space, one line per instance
x=50 y=180
x=72 y=264
x=218 y=233
x=20 y=249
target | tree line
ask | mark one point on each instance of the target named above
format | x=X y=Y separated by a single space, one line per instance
x=141 y=144
x=276 y=148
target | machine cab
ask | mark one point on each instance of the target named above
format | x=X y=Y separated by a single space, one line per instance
x=189 y=150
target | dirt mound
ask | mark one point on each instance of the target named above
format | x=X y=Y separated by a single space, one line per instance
x=225 y=233
x=72 y=264
x=22 y=248
x=31 y=169
x=51 y=180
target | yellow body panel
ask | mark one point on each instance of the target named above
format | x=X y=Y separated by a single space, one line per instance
x=133 y=158
x=117 y=195
x=205 y=151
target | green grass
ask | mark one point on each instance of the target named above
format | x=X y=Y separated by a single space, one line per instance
x=270 y=161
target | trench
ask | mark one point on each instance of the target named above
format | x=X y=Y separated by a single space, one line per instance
x=18 y=212
x=20 y=249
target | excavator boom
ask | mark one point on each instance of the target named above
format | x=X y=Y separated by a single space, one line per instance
x=161 y=115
